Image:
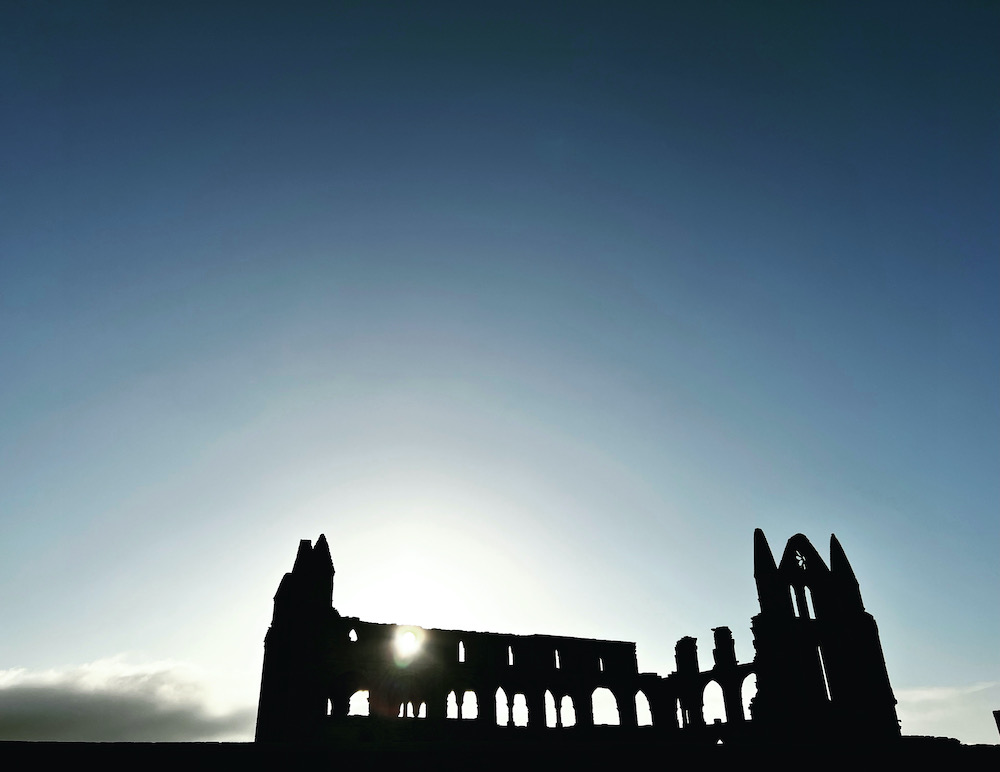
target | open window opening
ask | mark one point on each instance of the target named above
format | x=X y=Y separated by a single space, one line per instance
x=822 y=667
x=359 y=704
x=605 y=707
x=643 y=715
x=747 y=692
x=550 y=710
x=503 y=709
x=519 y=710
x=715 y=704
x=567 y=711
x=470 y=705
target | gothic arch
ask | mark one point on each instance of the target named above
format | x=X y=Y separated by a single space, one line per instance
x=470 y=704
x=807 y=575
x=567 y=710
x=714 y=703
x=643 y=712
x=748 y=691
x=503 y=708
x=606 y=709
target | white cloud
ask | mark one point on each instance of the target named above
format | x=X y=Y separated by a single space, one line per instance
x=113 y=700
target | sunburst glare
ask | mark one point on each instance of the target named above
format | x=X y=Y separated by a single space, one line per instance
x=406 y=646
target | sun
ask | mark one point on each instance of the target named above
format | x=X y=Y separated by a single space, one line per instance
x=407 y=645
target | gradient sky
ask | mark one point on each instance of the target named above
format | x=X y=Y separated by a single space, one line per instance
x=536 y=310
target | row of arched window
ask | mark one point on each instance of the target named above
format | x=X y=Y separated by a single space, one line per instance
x=514 y=711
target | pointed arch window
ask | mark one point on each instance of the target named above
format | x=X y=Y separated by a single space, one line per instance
x=605 y=707
x=567 y=711
x=643 y=715
x=470 y=705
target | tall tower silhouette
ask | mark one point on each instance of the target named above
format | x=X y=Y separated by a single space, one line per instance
x=820 y=668
x=293 y=699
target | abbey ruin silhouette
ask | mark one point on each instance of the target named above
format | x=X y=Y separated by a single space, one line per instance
x=819 y=668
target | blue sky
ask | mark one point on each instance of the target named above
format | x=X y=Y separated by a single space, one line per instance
x=536 y=312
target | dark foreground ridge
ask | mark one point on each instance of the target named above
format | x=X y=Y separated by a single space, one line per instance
x=820 y=674
x=907 y=752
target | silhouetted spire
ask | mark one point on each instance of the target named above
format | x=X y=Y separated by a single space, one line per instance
x=302 y=557
x=322 y=550
x=323 y=566
x=763 y=559
x=843 y=577
x=771 y=591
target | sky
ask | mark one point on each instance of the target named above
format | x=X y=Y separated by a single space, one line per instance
x=536 y=310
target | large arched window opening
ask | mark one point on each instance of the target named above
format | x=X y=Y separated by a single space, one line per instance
x=503 y=708
x=605 y=707
x=358 y=705
x=567 y=711
x=550 y=710
x=520 y=710
x=470 y=705
x=715 y=704
x=747 y=692
x=643 y=715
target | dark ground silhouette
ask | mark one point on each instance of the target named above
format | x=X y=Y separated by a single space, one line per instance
x=921 y=753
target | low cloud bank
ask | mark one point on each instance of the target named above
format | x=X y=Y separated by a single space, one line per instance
x=965 y=712
x=110 y=700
